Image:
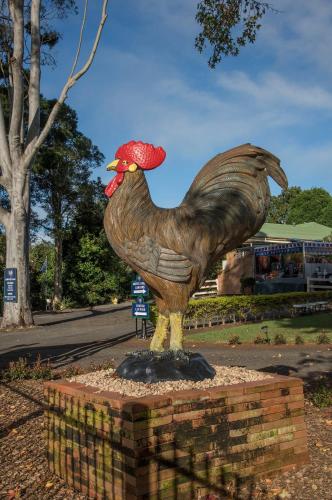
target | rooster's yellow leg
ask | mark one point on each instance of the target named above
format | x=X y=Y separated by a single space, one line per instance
x=176 y=340
x=160 y=334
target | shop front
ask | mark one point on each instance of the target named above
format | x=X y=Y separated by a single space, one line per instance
x=286 y=267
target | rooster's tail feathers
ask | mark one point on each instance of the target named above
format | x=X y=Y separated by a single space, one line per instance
x=268 y=161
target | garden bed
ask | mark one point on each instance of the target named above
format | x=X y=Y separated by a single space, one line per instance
x=311 y=329
x=187 y=443
x=25 y=473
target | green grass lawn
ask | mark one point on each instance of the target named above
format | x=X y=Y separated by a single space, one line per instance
x=309 y=327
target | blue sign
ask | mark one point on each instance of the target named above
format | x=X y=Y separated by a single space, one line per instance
x=10 y=285
x=140 y=309
x=139 y=287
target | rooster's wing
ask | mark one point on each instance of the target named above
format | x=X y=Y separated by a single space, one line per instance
x=149 y=256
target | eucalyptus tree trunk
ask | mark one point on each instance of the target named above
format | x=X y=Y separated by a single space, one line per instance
x=18 y=314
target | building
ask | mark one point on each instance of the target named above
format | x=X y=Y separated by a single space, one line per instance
x=281 y=257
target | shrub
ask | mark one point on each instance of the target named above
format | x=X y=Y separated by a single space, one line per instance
x=21 y=370
x=279 y=338
x=323 y=338
x=234 y=340
x=299 y=339
x=260 y=340
x=321 y=393
x=244 y=307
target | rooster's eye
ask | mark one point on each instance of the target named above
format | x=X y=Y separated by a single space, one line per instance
x=124 y=162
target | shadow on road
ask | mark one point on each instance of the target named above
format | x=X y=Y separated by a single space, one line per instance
x=311 y=377
x=62 y=355
x=90 y=314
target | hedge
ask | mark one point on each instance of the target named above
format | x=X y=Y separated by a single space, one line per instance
x=230 y=308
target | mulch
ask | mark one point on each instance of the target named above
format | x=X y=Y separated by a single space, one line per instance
x=24 y=472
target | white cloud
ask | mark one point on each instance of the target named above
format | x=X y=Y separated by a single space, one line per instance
x=272 y=88
x=299 y=36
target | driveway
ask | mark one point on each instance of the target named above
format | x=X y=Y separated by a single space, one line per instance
x=106 y=333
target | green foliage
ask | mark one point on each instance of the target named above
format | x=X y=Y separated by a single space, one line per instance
x=260 y=340
x=231 y=309
x=306 y=326
x=323 y=338
x=238 y=308
x=234 y=340
x=21 y=370
x=311 y=205
x=62 y=171
x=299 y=339
x=93 y=273
x=42 y=275
x=228 y=25
x=279 y=338
x=215 y=269
x=294 y=206
x=321 y=393
x=328 y=238
x=280 y=205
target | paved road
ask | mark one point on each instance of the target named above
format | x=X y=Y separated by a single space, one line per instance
x=108 y=332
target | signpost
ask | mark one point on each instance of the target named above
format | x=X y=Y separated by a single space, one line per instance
x=139 y=308
x=139 y=287
x=10 y=285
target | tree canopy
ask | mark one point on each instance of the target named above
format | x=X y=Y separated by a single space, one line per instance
x=228 y=25
x=296 y=206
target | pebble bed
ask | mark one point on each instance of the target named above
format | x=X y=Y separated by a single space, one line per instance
x=105 y=380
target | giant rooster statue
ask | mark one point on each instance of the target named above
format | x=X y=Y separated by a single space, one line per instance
x=172 y=249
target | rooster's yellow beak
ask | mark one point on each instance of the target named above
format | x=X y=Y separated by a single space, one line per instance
x=112 y=165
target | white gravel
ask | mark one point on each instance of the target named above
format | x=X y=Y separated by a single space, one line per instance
x=225 y=375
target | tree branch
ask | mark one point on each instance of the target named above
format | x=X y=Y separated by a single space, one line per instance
x=16 y=63
x=34 y=83
x=80 y=39
x=33 y=147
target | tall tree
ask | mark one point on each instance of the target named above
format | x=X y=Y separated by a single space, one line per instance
x=22 y=137
x=280 y=205
x=60 y=178
x=294 y=206
x=228 y=25
x=311 y=205
x=93 y=273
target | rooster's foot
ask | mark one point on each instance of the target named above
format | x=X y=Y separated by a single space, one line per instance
x=176 y=341
x=160 y=334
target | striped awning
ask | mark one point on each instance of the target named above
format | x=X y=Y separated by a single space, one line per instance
x=309 y=247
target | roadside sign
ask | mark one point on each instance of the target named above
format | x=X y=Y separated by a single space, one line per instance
x=10 y=284
x=139 y=287
x=140 y=309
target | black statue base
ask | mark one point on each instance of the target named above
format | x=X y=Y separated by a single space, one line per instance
x=150 y=367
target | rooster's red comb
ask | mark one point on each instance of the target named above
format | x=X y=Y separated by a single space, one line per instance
x=145 y=155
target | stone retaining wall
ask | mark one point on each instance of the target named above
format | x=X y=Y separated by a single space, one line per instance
x=186 y=444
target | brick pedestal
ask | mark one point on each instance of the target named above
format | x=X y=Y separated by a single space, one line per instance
x=181 y=445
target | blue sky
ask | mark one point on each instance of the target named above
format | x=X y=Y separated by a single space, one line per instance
x=149 y=83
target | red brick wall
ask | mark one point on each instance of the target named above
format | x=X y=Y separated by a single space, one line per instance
x=180 y=445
